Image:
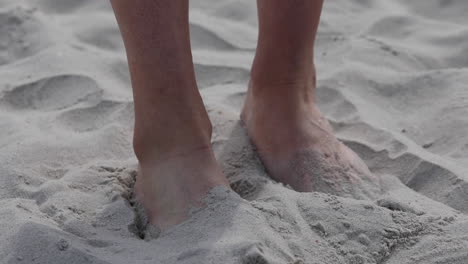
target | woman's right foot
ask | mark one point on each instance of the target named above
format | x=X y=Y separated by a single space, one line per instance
x=172 y=136
x=177 y=166
x=168 y=187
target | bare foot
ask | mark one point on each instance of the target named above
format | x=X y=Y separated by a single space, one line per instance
x=172 y=130
x=177 y=166
x=297 y=146
x=168 y=187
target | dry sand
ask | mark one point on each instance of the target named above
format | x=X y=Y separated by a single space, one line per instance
x=392 y=80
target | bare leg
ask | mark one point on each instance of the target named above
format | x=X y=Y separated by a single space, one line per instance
x=172 y=130
x=294 y=141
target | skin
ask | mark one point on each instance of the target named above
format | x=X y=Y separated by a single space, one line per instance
x=294 y=141
x=172 y=130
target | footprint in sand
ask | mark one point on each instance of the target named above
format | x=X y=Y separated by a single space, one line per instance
x=52 y=93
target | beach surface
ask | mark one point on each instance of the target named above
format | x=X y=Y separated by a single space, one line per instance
x=392 y=81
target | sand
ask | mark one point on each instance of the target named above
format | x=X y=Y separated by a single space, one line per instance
x=392 y=80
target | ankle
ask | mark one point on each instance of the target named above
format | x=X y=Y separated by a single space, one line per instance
x=269 y=82
x=168 y=140
x=280 y=99
x=279 y=104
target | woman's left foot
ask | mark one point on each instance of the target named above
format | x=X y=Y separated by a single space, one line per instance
x=297 y=146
